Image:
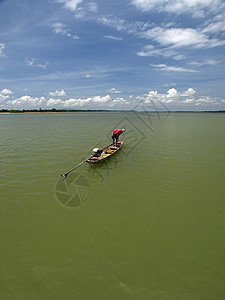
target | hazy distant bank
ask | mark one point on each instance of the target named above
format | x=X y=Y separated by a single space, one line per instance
x=8 y=112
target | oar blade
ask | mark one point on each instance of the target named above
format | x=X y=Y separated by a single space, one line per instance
x=64 y=176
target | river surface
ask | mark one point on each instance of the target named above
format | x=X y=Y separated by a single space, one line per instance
x=147 y=224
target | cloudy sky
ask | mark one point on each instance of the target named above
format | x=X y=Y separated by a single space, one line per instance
x=112 y=54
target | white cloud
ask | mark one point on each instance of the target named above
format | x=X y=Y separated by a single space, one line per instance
x=43 y=66
x=100 y=99
x=96 y=100
x=121 y=24
x=180 y=37
x=70 y=4
x=33 y=63
x=75 y=102
x=30 y=62
x=215 y=27
x=3 y=97
x=2 y=47
x=181 y=100
x=113 y=37
x=150 y=50
x=57 y=93
x=93 y=7
x=54 y=102
x=118 y=24
x=120 y=100
x=196 y=7
x=6 y=92
x=205 y=100
x=189 y=92
x=188 y=100
x=169 y=84
x=164 y=67
x=171 y=99
x=27 y=102
x=80 y=13
x=113 y=91
x=171 y=40
x=146 y=5
x=60 y=28
x=171 y=92
x=205 y=62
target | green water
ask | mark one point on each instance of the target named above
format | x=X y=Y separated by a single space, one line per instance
x=147 y=224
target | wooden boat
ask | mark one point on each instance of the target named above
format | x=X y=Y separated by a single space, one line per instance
x=104 y=154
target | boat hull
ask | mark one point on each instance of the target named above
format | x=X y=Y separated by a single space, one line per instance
x=107 y=152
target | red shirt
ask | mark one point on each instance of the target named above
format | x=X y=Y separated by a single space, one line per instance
x=117 y=131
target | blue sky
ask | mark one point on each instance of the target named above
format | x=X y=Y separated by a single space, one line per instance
x=79 y=54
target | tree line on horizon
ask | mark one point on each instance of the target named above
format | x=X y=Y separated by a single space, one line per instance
x=13 y=111
x=50 y=110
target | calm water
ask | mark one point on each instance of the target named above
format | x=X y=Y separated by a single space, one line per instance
x=147 y=224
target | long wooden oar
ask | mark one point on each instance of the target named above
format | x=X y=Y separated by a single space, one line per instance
x=65 y=175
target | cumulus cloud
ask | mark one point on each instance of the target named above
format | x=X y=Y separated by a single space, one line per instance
x=6 y=92
x=73 y=102
x=27 y=102
x=172 y=92
x=113 y=91
x=188 y=92
x=78 y=102
x=52 y=102
x=173 y=98
x=57 y=93
x=100 y=99
x=70 y=4
x=181 y=100
x=60 y=28
x=120 y=101
x=3 y=98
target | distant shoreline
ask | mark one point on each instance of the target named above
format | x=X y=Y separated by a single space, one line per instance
x=12 y=112
x=54 y=111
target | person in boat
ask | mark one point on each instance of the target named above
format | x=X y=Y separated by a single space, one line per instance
x=115 y=135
